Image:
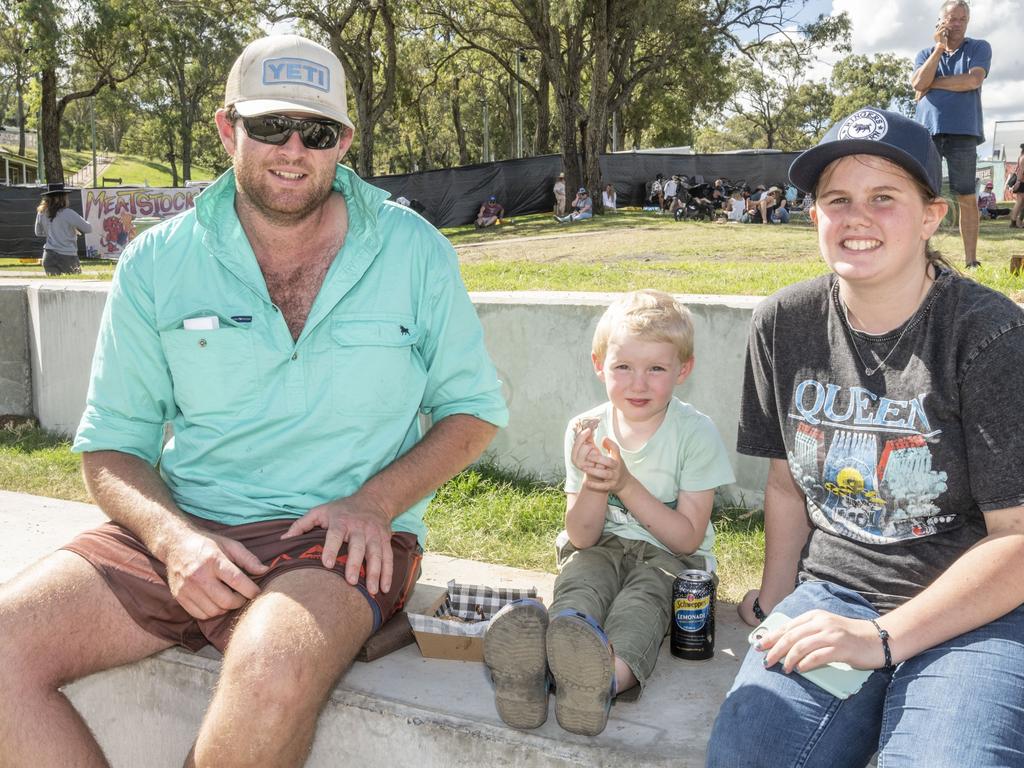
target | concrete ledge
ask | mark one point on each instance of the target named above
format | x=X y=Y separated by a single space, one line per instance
x=539 y=341
x=399 y=710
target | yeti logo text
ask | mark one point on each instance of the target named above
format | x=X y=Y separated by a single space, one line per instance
x=866 y=124
x=296 y=72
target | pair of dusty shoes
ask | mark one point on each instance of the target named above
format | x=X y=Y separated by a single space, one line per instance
x=524 y=650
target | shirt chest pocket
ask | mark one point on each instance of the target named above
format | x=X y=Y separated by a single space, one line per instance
x=376 y=367
x=213 y=371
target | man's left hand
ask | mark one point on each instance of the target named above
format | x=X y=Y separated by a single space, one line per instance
x=367 y=531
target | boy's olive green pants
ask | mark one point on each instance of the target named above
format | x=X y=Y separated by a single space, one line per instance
x=626 y=586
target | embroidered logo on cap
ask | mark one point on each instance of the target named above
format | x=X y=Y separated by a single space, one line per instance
x=291 y=71
x=866 y=124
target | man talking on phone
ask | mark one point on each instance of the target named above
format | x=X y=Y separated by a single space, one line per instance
x=947 y=80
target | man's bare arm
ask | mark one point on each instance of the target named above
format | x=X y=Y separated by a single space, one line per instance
x=364 y=519
x=924 y=75
x=961 y=83
x=204 y=572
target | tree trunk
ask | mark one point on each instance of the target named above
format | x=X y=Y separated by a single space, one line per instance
x=596 y=131
x=53 y=166
x=542 y=136
x=460 y=130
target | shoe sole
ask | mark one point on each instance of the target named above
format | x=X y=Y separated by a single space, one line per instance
x=582 y=666
x=515 y=653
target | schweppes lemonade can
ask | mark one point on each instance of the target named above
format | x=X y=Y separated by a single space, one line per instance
x=693 y=616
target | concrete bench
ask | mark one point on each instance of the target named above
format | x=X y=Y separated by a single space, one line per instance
x=397 y=710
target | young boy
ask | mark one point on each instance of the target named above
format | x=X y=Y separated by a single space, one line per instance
x=641 y=473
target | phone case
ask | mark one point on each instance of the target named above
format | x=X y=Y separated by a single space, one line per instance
x=836 y=677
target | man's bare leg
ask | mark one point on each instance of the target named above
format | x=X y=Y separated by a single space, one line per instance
x=286 y=652
x=58 y=622
x=969 y=217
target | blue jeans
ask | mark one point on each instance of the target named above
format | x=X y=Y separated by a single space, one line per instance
x=961 y=154
x=960 y=703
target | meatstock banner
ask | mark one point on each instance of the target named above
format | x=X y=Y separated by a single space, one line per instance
x=112 y=213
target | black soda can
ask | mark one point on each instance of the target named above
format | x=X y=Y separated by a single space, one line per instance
x=693 y=616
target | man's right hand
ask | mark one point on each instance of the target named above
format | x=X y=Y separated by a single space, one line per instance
x=204 y=572
x=941 y=36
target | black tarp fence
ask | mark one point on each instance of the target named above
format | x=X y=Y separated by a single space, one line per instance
x=452 y=196
x=18 y=221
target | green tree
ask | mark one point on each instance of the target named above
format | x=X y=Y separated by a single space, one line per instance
x=104 y=39
x=14 y=70
x=773 y=106
x=194 y=46
x=882 y=80
x=363 y=34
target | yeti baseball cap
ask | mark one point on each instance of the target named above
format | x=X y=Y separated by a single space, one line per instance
x=873 y=132
x=287 y=73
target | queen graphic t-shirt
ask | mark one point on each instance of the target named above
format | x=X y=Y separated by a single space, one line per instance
x=900 y=441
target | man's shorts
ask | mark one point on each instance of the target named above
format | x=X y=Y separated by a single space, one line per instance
x=961 y=153
x=139 y=580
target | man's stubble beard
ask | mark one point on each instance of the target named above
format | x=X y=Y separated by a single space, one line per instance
x=289 y=208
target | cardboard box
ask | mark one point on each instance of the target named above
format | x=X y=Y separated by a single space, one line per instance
x=435 y=645
x=439 y=637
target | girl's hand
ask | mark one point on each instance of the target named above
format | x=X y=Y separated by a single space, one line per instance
x=819 y=637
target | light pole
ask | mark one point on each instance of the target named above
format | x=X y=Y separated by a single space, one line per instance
x=92 y=117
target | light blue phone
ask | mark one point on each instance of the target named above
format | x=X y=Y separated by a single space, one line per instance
x=836 y=677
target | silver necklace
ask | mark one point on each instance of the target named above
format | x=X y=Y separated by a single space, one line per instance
x=846 y=316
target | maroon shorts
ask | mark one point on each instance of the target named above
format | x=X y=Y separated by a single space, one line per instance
x=139 y=580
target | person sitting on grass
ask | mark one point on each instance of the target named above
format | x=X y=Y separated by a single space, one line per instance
x=582 y=208
x=885 y=395
x=988 y=206
x=609 y=198
x=641 y=473
x=490 y=213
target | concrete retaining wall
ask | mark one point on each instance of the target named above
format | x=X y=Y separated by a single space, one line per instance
x=540 y=342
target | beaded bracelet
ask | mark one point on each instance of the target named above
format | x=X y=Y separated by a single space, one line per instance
x=758 y=610
x=884 y=637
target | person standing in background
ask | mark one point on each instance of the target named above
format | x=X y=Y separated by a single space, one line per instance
x=559 y=190
x=60 y=226
x=1017 y=214
x=947 y=80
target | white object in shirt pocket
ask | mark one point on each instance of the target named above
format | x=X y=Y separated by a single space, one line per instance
x=213 y=371
x=376 y=368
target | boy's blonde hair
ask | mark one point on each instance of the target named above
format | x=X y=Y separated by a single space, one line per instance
x=651 y=315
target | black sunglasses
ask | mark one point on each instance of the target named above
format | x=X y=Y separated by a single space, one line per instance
x=277 y=129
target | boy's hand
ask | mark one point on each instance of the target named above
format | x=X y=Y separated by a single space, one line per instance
x=584 y=451
x=609 y=474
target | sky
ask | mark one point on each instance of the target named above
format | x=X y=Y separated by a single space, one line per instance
x=904 y=27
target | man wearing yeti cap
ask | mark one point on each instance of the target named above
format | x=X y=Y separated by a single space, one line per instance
x=291 y=328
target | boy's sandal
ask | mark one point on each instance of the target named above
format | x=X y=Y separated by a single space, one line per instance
x=583 y=665
x=515 y=653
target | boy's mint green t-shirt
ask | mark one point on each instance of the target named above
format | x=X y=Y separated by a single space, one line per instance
x=686 y=453
x=267 y=427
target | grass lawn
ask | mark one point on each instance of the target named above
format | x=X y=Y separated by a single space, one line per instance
x=144 y=172
x=634 y=249
x=482 y=514
x=131 y=169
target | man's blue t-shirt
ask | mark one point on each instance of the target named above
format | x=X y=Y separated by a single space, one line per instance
x=956 y=112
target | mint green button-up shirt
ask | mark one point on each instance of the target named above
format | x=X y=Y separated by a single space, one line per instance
x=266 y=427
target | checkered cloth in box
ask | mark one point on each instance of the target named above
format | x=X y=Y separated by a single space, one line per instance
x=472 y=603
